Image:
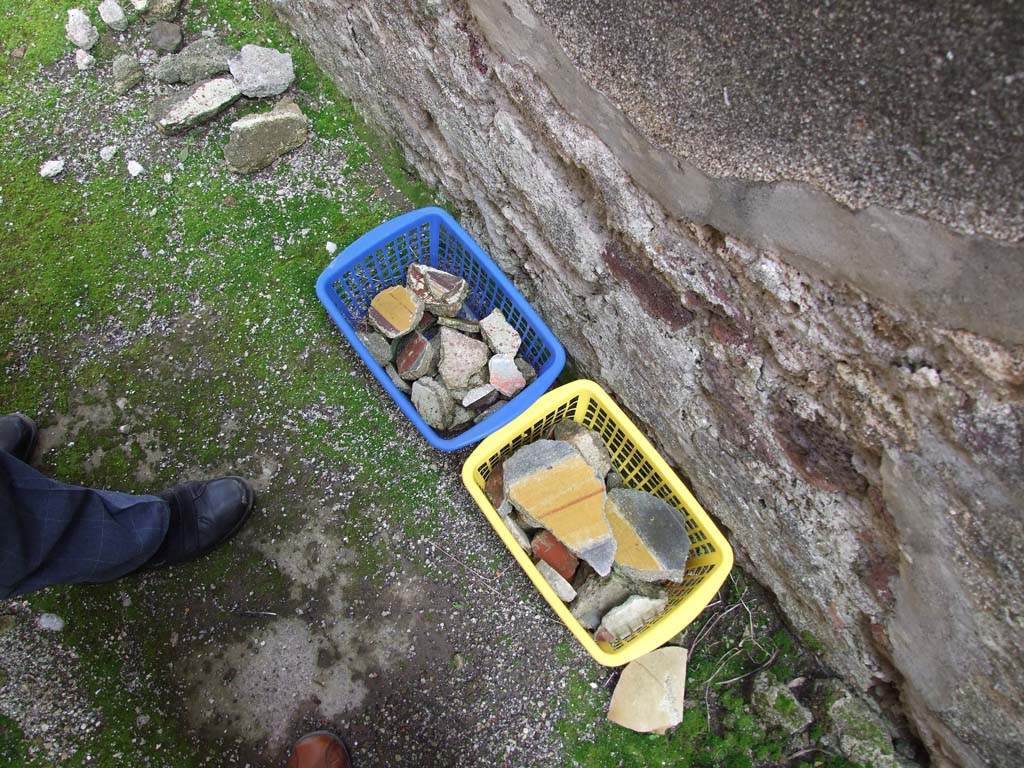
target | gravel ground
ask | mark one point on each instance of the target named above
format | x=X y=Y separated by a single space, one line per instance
x=418 y=639
x=39 y=685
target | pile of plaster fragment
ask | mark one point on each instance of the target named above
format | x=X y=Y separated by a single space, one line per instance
x=456 y=369
x=612 y=553
x=199 y=81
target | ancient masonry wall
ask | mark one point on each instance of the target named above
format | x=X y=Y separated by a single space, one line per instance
x=842 y=389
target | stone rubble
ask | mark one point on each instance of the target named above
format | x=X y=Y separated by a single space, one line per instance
x=443 y=292
x=160 y=10
x=80 y=30
x=197 y=61
x=51 y=168
x=127 y=73
x=135 y=168
x=113 y=15
x=501 y=337
x=562 y=587
x=258 y=140
x=471 y=327
x=166 y=36
x=650 y=694
x=623 y=619
x=395 y=311
x=178 y=112
x=480 y=397
x=505 y=512
x=552 y=487
x=377 y=346
x=505 y=376
x=652 y=538
x=461 y=358
x=588 y=442
x=417 y=357
x=398 y=381
x=262 y=71
x=107 y=153
x=84 y=60
x=433 y=403
x=777 y=707
x=545 y=547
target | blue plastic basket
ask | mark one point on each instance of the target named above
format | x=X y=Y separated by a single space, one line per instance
x=380 y=258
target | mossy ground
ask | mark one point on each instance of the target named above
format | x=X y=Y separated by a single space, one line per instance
x=163 y=329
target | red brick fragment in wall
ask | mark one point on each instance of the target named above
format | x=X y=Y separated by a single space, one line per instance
x=656 y=298
x=822 y=457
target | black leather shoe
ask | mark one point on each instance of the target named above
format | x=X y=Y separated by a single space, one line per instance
x=204 y=514
x=17 y=435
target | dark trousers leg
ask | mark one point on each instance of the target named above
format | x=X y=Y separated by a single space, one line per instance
x=53 y=533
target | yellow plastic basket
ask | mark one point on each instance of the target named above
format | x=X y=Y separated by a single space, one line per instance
x=643 y=469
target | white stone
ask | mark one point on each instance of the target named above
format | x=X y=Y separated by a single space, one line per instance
x=84 y=60
x=140 y=5
x=168 y=178
x=51 y=622
x=134 y=168
x=113 y=15
x=331 y=247
x=107 y=153
x=649 y=697
x=562 y=587
x=501 y=337
x=51 y=168
x=505 y=375
x=262 y=71
x=80 y=30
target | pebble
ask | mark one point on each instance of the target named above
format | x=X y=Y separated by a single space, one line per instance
x=80 y=30
x=168 y=178
x=134 y=168
x=51 y=622
x=113 y=15
x=262 y=71
x=331 y=247
x=51 y=168
x=107 y=153
x=162 y=9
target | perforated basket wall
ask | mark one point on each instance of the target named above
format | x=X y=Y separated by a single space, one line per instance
x=381 y=258
x=642 y=469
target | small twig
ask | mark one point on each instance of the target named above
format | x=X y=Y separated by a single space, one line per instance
x=767 y=664
x=255 y=613
x=471 y=569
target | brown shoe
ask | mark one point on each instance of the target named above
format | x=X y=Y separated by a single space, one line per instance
x=320 y=749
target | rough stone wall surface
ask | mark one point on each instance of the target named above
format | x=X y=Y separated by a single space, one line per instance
x=843 y=389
